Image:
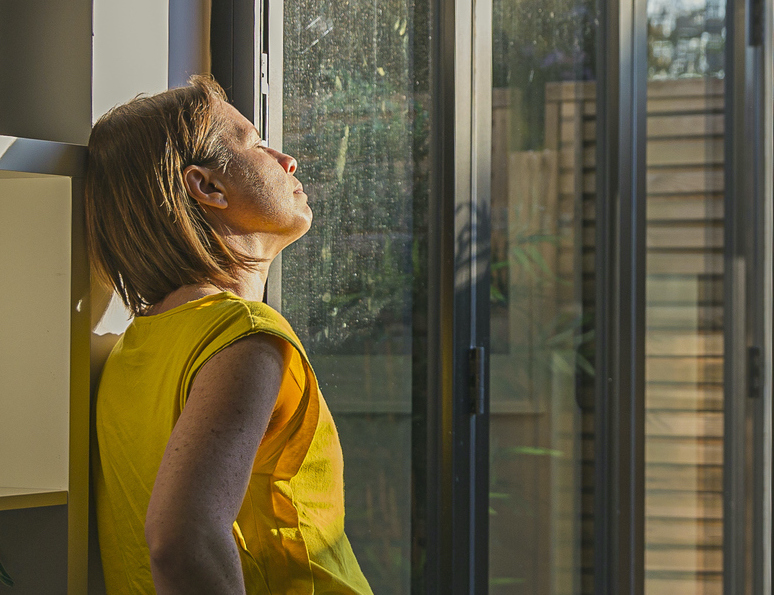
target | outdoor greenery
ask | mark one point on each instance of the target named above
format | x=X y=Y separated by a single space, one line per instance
x=355 y=121
x=686 y=42
x=538 y=42
x=355 y=116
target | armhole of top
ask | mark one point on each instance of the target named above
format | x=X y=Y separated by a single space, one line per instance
x=255 y=328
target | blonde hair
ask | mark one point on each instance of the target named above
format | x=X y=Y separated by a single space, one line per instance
x=146 y=237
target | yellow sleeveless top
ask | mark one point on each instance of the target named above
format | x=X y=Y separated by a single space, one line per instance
x=290 y=529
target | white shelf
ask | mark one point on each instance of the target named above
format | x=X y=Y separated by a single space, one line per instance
x=16 y=498
x=36 y=329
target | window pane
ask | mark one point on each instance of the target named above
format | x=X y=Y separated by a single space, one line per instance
x=355 y=117
x=684 y=311
x=542 y=296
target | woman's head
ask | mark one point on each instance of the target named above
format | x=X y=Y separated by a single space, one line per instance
x=146 y=235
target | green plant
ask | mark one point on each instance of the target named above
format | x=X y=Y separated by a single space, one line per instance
x=558 y=344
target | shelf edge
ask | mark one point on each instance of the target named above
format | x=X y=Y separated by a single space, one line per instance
x=41 y=156
x=15 y=499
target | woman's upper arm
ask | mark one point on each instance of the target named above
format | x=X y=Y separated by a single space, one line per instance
x=207 y=463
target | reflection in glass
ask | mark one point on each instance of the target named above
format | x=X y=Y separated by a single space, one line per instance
x=355 y=117
x=542 y=294
x=684 y=312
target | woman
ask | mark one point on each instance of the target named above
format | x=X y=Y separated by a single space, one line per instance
x=218 y=467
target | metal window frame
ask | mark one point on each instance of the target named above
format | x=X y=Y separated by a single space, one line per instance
x=480 y=271
x=760 y=202
x=241 y=32
x=272 y=18
x=747 y=510
x=734 y=309
x=458 y=300
x=449 y=523
x=619 y=511
x=235 y=35
x=448 y=543
x=767 y=447
x=747 y=301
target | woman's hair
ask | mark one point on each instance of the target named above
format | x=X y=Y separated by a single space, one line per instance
x=146 y=237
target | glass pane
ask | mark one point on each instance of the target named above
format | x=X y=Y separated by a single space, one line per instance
x=684 y=311
x=542 y=297
x=355 y=101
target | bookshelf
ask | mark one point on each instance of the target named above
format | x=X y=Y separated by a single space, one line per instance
x=44 y=365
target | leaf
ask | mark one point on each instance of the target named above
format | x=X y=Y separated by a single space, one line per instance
x=537 y=257
x=341 y=162
x=495 y=295
x=498 y=581
x=585 y=365
x=524 y=261
x=534 y=450
x=562 y=337
x=585 y=337
x=561 y=364
x=537 y=238
x=5 y=578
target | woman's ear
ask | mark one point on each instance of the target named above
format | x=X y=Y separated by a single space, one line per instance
x=205 y=187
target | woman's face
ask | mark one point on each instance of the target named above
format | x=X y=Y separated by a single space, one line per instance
x=264 y=197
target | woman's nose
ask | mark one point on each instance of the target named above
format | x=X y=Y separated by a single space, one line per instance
x=288 y=163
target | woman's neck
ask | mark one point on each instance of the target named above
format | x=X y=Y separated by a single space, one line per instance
x=249 y=286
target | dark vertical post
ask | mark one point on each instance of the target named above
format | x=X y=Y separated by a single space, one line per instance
x=756 y=79
x=457 y=436
x=620 y=326
x=480 y=272
x=743 y=515
x=440 y=295
x=232 y=43
x=240 y=32
x=222 y=43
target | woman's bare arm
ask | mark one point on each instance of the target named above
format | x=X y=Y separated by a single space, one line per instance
x=206 y=467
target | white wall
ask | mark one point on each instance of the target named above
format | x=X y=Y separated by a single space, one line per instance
x=131 y=41
x=131 y=44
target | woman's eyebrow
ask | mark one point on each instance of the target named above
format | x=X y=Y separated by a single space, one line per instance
x=255 y=135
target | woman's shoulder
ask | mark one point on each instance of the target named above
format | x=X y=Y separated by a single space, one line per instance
x=223 y=307
x=251 y=317
x=207 y=325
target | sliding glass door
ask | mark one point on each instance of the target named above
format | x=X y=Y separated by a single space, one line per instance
x=684 y=318
x=356 y=118
x=542 y=296
x=536 y=288
x=630 y=411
